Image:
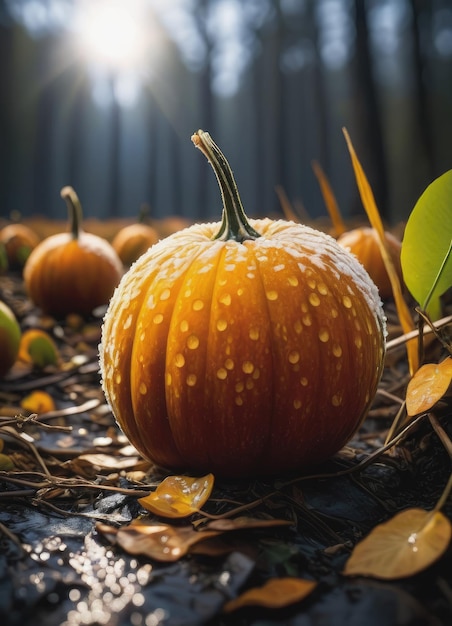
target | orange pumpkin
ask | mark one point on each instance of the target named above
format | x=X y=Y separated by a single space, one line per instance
x=246 y=347
x=133 y=240
x=72 y=272
x=363 y=243
x=19 y=240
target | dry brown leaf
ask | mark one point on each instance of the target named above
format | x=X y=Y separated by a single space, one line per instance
x=161 y=542
x=179 y=496
x=428 y=385
x=403 y=546
x=275 y=594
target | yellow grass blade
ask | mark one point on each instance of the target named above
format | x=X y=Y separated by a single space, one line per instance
x=330 y=200
x=368 y=200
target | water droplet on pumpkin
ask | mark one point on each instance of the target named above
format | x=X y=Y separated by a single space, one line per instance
x=158 y=318
x=128 y=322
x=307 y=320
x=239 y=400
x=272 y=295
x=336 y=400
x=198 y=305
x=247 y=367
x=334 y=313
x=337 y=350
x=222 y=373
x=324 y=335
x=293 y=281
x=226 y=299
x=298 y=327
x=166 y=293
x=297 y=404
x=254 y=334
x=312 y=284
x=142 y=389
x=256 y=373
x=192 y=342
x=221 y=325
x=358 y=342
x=304 y=381
x=118 y=378
x=240 y=291
x=314 y=299
x=279 y=268
x=322 y=289
x=187 y=293
x=191 y=380
x=183 y=326
x=229 y=364
x=347 y=302
x=294 y=356
x=239 y=387
x=179 y=360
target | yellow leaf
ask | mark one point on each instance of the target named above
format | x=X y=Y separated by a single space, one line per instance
x=6 y=463
x=428 y=385
x=405 y=545
x=38 y=347
x=179 y=496
x=275 y=594
x=368 y=200
x=38 y=402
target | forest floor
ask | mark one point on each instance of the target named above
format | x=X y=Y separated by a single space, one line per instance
x=74 y=475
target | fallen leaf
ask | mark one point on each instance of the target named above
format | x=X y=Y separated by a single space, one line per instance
x=179 y=496
x=38 y=347
x=161 y=542
x=428 y=385
x=6 y=463
x=275 y=594
x=38 y=402
x=403 y=546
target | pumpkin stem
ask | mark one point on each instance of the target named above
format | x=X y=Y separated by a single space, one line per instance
x=234 y=223
x=74 y=210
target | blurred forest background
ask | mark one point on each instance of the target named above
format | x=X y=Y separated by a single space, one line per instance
x=111 y=112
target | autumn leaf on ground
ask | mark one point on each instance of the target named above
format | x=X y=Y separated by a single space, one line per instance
x=38 y=402
x=38 y=347
x=275 y=594
x=161 y=542
x=179 y=496
x=428 y=385
x=405 y=545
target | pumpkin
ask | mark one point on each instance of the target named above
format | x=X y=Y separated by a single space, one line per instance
x=133 y=240
x=19 y=240
x=246 y=347
x=72 y=272
x=363 y=243
x=10 y=335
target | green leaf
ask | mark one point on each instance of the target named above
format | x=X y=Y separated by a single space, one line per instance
x=426 y=247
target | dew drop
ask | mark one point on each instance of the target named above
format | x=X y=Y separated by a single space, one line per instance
x=118 y=378
x=191 y=380
x=226 y=299
x=337 y=350
x=322 y=289
x=158 y=318
x=297 y=404
x=324 y=335
x=304 y=381
x=254 y=334
x=239 y=400
x=307 y=320
x=247 y=367
x=293 y=281
x=336 y=400
x=142 y=389
x=222 y=373
x=198 y=305
x=298 y=327
x=314 y=299
x=347 y=302
x=229 y=364
x=358 y=342
x=166 y=293
x=221 y=325
x=183 y=326
x=128 y=322
x=239 y=387
x=294 y=356
x=179 y=360
x=272 y=295
x=192 y=342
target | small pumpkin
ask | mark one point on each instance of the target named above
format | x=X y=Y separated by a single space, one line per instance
x=72 y=272
x=246 y=347
x=10 y=335
x=133 y=240
x=363 y=243
x=19 y=240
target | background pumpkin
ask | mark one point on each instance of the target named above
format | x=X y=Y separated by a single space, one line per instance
x=133 y=240
x=242 y=348
x=363 y=243
x=19 y=240
x=72 y=272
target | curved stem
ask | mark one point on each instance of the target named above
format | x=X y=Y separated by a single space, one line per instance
x=74 y=210
x=234 y=224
